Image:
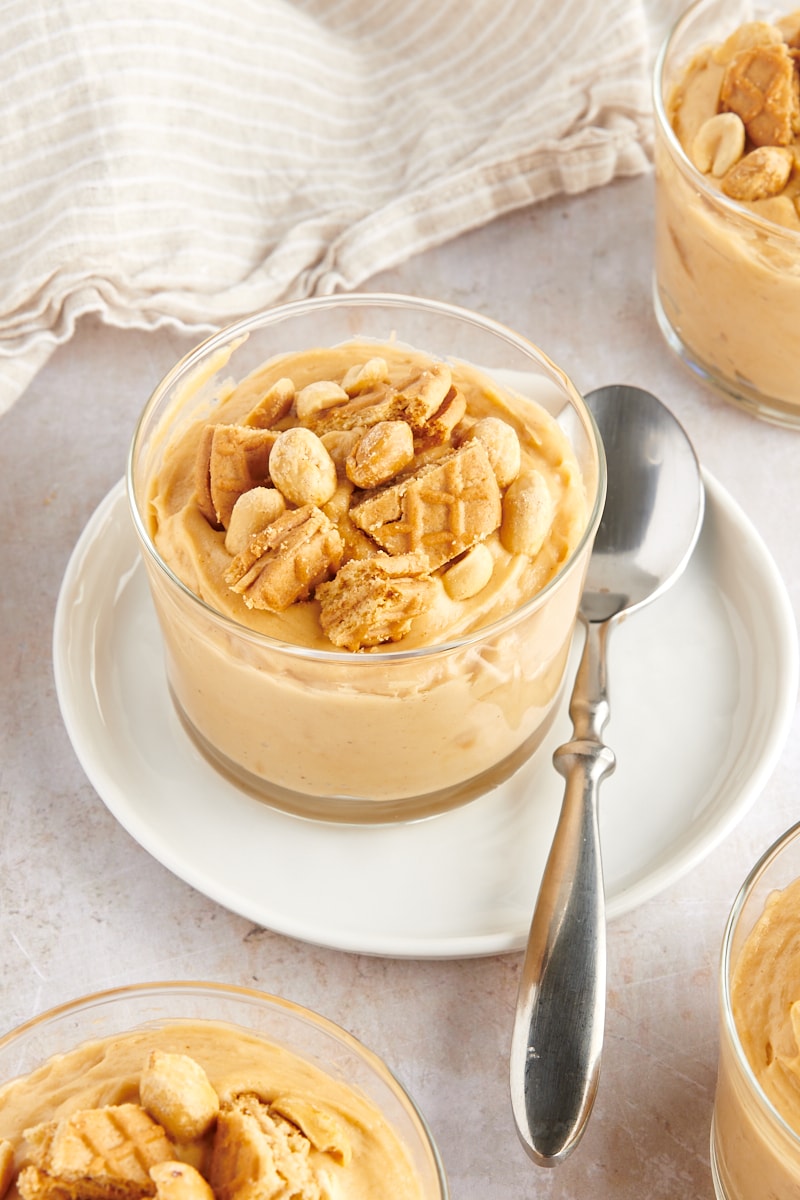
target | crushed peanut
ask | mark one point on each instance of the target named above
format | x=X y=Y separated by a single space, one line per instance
x=315 y=397
x=365 y=377
x=528 y=511
x=273 y=405
x=470 y=574
x=176 y=1092
x=340 y=444
x=425 y=394
x=179 y=1181
x=252 y=512
x=502 y=446
x=380 y=454
x=760 y=174
x=440 y=425
x=301 y=468
x=719 y=143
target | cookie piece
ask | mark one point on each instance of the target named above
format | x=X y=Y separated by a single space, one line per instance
x=374 y=600
x=286 y=561
x=231 y=459
x=440 y=511
x=258 y=1155
x=94 y=1154
x=761 y=85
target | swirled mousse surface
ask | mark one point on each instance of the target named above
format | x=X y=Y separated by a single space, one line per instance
x=367 y=496
x=736 y=112
x=195 y=1110
x=765 y=1000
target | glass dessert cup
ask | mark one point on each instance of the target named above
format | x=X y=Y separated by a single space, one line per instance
x=296 y=1030
x=726 y=281
x=365 y=737
x=754 y=1151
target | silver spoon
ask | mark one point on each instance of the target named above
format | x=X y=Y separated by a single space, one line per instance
x=651 y=521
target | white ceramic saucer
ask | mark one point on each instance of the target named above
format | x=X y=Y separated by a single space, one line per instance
x=702 y=686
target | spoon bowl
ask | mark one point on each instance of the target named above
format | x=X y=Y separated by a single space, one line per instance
x=654 y=503
x=650 y=525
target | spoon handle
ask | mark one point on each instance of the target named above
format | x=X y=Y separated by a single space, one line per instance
x=560 y=1015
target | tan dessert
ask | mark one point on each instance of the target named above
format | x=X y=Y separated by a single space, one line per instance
x=365 y=497
x=363 y=524
x=727 y=218
x=757 y=1156
x=193 y=1111
x=765 y=994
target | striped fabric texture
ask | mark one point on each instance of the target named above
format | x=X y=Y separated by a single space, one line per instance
x=188 y=162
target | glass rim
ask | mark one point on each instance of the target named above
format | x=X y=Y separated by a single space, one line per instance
x=742 y=896
x=233 y=991
x=273 y=315
x=734 y=208
x=162 y=987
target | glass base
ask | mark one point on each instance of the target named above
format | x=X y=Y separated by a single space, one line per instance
x=719 y=1190
x=739 y=392
x=354 y=810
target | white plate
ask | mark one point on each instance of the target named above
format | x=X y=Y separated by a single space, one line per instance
x=702 y=687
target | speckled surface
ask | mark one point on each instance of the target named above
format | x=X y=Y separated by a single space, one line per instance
x=83 y=907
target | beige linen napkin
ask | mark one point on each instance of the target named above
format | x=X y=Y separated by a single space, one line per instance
x=186 y=162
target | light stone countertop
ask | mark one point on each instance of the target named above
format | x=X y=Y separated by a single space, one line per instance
x=83 y=907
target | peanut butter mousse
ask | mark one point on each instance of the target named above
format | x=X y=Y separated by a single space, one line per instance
x=194 y=1111
x=756 y=1152
x=729 y=275
x=765 y=1000
x=354 y=501
x=358 y=497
